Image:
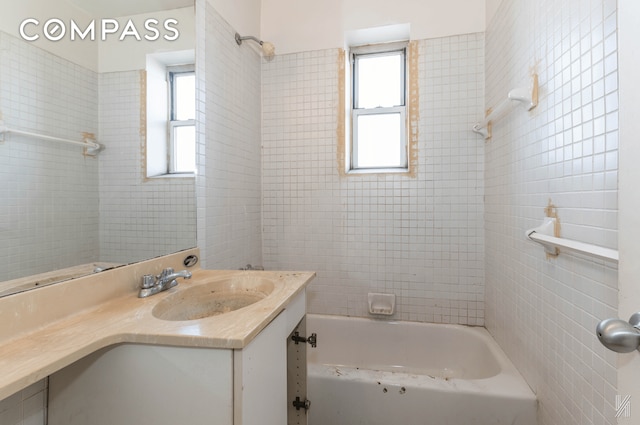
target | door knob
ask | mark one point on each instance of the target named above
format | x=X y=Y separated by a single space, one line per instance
x=618 y=335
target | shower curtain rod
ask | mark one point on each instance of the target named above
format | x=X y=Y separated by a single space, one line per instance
x=91 y=146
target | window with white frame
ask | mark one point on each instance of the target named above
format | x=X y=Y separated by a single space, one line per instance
x=182 y=113
x=378 y=115
x=170 y=110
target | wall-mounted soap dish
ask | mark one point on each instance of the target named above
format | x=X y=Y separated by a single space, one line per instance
x=383 y=304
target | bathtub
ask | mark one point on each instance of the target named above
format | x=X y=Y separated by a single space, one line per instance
x=374 y=372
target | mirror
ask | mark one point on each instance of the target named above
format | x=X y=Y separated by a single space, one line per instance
x=70 y=70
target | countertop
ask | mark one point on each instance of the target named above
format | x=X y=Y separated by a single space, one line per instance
x=35 y=349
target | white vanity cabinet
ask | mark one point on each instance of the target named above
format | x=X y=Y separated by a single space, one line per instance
x=260 y=371
x=144 y=384
x=162 y=385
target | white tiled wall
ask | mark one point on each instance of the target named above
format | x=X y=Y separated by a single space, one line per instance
x=60 y=208
x=26 y=407
x=48 y=190
x=420 y=238
x=543 y=312
x=138 y=219
x=229 y=174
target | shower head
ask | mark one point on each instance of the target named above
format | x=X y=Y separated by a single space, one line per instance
x=267 y=48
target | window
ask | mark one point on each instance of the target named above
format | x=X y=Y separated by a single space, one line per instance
x=378 y=116
x=182 y=113
x=169 y=142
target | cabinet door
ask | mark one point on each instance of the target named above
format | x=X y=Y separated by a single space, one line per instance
x=260 y=390
x=144 y=384
x=260 y=370
x=297 y=376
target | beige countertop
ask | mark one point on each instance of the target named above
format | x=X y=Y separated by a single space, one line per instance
x=44 y=330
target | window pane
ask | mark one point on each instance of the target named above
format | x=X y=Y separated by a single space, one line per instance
x=380 y=80
x=185 y=92
x=379 y=141
x=185 y=149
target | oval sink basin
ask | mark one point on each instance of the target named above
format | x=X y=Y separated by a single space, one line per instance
x=213 y=298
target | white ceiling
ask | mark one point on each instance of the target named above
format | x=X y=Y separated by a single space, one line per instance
x=117 y=8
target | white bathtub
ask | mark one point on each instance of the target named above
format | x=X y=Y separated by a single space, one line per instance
x=374 y=372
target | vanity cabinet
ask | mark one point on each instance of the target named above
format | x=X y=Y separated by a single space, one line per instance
x=260 y=370
x=144 y=384
x=167 y=385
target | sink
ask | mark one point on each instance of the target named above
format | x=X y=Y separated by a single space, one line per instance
x=213 y=298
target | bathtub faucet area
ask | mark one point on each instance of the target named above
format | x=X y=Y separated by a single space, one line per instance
x=167 y=279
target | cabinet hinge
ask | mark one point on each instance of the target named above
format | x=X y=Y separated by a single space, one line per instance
x=313 y=339
x=301 y=404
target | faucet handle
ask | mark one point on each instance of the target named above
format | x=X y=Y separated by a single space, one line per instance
x=166 y=272
x=148 y=280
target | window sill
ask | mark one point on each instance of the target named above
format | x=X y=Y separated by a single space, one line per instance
x=172 y=176
x=361 y=171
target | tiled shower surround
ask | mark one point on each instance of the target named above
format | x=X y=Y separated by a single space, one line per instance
x=543 y=312
x=229 y=177
x=420 y=237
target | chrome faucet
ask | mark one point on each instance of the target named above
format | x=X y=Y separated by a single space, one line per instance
x=167 y=279
x=250 y=267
